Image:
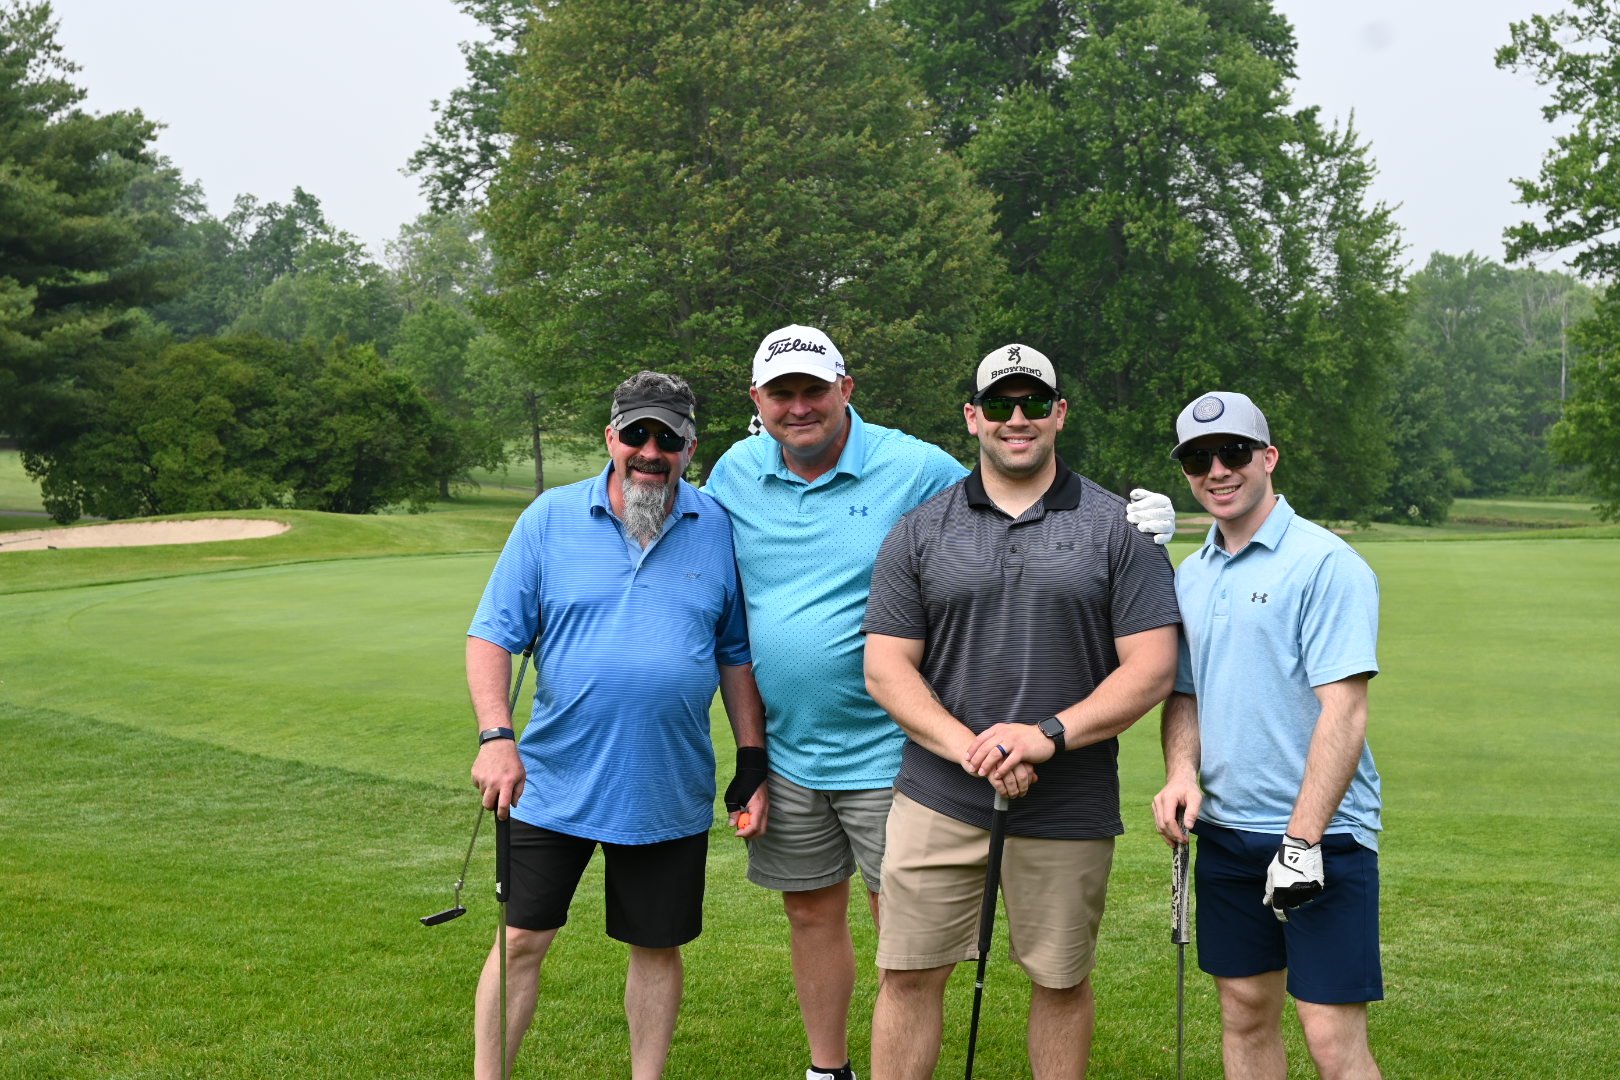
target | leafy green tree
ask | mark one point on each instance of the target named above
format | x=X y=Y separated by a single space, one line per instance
x=1481 y=382
x=318 y=304
x=82 y=243
x=432 y=350
x=460 y=158
x=195 y=426
x=685 y=177
x=444 y=258
x=1172 y=226
x=1588 y=435
x=1576 y=52
x=370 y=438
x=297 y=276
x=241 y=422
x=281 y=270
x=506 y=400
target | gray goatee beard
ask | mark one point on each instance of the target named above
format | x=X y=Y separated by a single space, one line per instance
x=645 y=506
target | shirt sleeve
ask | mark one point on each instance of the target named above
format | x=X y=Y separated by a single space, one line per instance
x=1144 y=583
x=508 y=615
x=731 y=632
x=1339 y=625
x=1184 y=670
x=894 y=605
x=939 y=471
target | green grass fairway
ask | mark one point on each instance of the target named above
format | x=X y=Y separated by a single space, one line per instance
x=17 y=490
x=232 y=776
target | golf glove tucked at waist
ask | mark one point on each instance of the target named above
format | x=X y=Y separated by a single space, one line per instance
x=1152 y=513
x=1294 y=876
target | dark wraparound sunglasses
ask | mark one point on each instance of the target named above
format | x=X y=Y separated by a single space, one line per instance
x=1233 y=456
x=1000 y=407
x=638 y=434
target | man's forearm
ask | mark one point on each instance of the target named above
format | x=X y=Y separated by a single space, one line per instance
x=1146 y=673
x=489 y=681
x=895 y=682
x=745 y=709
x=1330 y=764
x=1178 y=735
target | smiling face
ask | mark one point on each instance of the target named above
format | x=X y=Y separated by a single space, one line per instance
x=1238 y=499
x=645 y=476
x=1017 y=448
x=807 y=416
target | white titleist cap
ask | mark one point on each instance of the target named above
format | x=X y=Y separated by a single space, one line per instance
x=1220 y=413
x=1010 y=360
x=797 y=350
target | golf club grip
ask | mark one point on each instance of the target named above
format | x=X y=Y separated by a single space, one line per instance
x=503 y=855
x=1179 y=860
x=992 y=874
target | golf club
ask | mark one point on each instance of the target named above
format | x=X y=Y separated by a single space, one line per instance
x=1179 y=936
x=456 y=910
x=987 y=916
x=503 y=856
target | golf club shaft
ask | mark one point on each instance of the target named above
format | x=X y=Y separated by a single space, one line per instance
x=1181 y=1030
x=1180 y=934
x=987 y=916
x=503 y=860
x=517 y=685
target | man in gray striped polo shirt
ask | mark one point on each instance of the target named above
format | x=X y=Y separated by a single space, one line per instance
x=1016 y=625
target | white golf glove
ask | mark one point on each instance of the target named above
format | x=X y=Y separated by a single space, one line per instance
x=1152 y=513
x=1294 y=876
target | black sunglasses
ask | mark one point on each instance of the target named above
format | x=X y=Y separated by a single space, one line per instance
x=638 y=434
x=1000 y=408
x=1232 y=455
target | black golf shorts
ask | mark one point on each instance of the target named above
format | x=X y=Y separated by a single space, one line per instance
x=654 y=892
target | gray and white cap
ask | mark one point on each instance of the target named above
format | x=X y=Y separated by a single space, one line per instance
x=1010 y=360
x=668 y=408
x=1221 y=412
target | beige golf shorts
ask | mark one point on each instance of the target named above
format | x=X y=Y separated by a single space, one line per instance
x=933 y=889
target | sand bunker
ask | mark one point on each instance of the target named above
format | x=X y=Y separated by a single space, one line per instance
x=141 y=534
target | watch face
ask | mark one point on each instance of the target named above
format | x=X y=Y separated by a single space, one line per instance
x=1051 y=727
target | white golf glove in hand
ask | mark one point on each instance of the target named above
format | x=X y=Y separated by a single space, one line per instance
x=1294 y=876
x=1152 y=513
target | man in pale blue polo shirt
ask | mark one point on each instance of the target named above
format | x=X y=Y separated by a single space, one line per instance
x=1266 y=758
x=628 y=582
x=810 y=502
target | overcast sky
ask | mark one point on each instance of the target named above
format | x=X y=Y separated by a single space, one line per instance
x=334 y=95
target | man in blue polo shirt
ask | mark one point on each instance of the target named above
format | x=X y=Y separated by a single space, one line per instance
x=810 y=503
x=1266 y=756
x=629 y=581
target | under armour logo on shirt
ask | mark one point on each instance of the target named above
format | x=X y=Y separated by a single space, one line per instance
x=1258 y=598
x=857 y=510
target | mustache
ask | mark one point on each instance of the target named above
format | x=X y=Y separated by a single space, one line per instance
x=649 y=465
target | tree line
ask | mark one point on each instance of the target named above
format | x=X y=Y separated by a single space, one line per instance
x=1124 y=184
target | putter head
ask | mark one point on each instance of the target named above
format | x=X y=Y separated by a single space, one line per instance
x=444 y=916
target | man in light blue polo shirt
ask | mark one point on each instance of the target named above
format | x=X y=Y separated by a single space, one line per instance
x=627 y=583
x=810 y=502
x=1266 y=758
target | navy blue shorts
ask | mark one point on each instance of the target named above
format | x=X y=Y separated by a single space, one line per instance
x=654 y=891
x=1329 y=946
